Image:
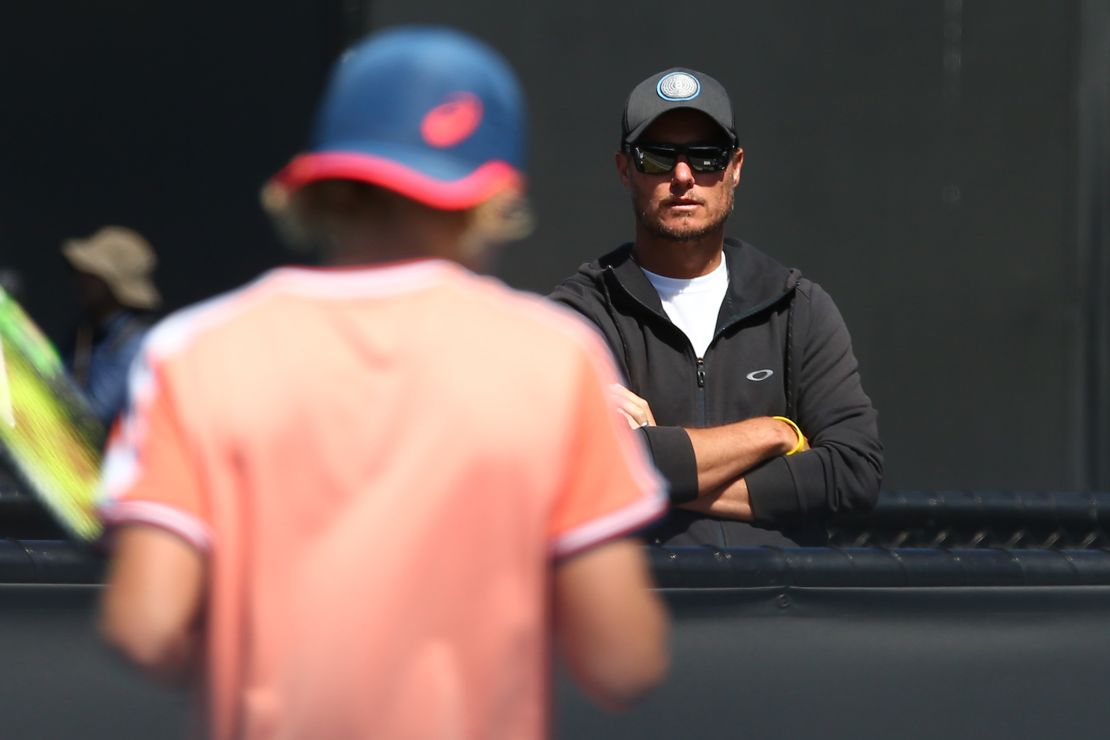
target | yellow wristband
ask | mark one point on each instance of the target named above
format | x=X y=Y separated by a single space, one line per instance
x=797 y=430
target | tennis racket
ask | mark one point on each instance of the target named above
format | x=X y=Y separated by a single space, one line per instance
x=48 y=434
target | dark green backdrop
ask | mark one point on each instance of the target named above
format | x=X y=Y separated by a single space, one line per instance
x=940 y=166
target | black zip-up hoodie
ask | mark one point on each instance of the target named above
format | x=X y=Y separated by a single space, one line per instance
x=780 y=349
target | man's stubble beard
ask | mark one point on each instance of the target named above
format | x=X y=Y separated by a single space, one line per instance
x=681 y=233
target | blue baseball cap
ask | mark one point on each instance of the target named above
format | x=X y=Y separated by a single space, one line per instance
x=429 y=113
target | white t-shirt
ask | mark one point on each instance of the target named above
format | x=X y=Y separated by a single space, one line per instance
x=693 y=304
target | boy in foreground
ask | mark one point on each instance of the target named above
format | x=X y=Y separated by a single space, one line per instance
x=350 y=502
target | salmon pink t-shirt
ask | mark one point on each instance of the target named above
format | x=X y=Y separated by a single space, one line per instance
x=380 y=467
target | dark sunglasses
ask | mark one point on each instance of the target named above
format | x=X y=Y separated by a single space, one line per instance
x=658 y=159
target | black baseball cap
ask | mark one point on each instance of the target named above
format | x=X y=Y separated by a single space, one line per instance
x=677 y=87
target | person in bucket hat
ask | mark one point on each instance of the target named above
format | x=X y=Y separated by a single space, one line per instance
x=331 y=504
x=116 y=297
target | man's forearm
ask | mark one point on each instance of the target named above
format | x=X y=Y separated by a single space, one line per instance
x=725 y=453
x=728 y=502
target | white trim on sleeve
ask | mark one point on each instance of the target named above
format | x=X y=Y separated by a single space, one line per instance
x=611 y=526
x=186 y=526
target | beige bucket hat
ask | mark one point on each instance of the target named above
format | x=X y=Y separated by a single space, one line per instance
x=121 y=258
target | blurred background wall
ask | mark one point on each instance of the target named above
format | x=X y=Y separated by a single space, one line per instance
x=942 y=167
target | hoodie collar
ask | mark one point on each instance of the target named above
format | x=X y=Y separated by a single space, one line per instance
x=755 y=281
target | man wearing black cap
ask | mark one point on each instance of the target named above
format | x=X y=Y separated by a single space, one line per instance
x=740 y=372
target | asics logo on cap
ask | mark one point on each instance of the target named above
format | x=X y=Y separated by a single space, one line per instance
x=451 y=122
x=678 y=86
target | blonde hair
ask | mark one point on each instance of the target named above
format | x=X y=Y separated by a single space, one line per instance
x=310 y=217
x=505 y=217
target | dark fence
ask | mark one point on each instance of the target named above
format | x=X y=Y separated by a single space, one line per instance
x=911 y=519
x=21 y=515
x=811 y=643
x=1007 y=519
x=833 y=567
x=833 y=642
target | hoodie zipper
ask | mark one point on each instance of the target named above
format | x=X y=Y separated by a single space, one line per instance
x=722 y=533
x=752 y=310
x=701 y=392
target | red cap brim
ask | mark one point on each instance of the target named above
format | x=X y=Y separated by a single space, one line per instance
x=449 y=195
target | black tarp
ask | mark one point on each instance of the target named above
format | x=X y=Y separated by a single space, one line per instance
x=874 y=663
x=760 y=650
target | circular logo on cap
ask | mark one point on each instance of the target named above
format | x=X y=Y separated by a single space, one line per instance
x=678 y=86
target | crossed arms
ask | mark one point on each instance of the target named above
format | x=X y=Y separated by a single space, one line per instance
x=724 y=454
